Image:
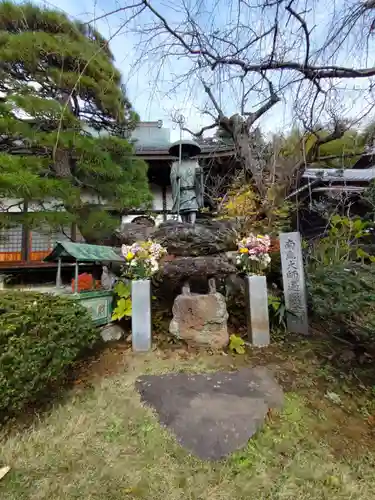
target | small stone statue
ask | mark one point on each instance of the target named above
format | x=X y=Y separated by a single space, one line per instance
x=187 y=188
x=108 y=279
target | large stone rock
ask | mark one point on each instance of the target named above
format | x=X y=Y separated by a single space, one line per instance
x=130 y=233
x=206 y=237
x=183 y=268
x=200 y=319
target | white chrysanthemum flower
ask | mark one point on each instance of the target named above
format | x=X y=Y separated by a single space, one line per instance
x=125 y=250
x=267 y=258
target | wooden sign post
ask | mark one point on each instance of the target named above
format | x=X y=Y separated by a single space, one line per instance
x=294 y=282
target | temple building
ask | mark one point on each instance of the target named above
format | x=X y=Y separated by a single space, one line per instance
x=24 y=248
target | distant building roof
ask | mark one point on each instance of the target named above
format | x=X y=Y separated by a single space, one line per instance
x=162 y=153
x=344 y=175
x=152 y=141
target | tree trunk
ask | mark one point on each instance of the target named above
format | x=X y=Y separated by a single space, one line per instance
x=61 y=164
x=252 y=164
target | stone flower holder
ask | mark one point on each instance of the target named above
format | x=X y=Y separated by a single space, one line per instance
x=141 y=315
x=258 y=325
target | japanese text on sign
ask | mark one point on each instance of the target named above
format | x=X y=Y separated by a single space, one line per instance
x=294 y=282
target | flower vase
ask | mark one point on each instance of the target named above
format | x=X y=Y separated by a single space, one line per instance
x=141 y=315
x=258 y=326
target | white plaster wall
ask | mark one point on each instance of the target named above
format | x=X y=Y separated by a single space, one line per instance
x=14 y=205
x=157 y=204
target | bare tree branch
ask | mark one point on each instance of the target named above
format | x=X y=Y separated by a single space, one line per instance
x=202 y=130
x=305 y=29
x=273 y=99
x=112 y=12
x=261 y=53
x=213 y=100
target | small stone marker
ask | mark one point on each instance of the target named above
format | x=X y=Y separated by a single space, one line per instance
x=200 y=319
x=258 y=325
x=294 y=282
x=141 y=315
x=110 y=332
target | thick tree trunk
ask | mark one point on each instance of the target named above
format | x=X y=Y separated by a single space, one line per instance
x=61 y=164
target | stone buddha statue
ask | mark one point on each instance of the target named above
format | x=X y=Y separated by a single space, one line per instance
x=187 y=186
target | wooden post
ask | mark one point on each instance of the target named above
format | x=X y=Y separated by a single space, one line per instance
x=25 y=248
x=164 y=201
x=73 y=231
x=58 y=275
x=76 y=272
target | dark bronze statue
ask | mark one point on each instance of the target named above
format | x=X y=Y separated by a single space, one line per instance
x=186 y=180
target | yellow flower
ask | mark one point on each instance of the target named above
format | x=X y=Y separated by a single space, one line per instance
x=244 y=250
x=129 y=256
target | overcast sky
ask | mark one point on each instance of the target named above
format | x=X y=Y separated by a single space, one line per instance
x=150 y=85
x=149 y=98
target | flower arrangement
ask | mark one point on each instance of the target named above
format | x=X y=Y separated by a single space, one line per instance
x=253 y=254
x=142 y=259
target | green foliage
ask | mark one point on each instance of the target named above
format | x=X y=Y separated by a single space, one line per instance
x=368 y=135
x=297 y=144
x=344 y=293
x=270 y=214
x=40 y=337
x=123 y=301
x=340 y=289
x=342 y=243
x=69 y=145
x=277 y=312
x=369 y=196
x=236 y=344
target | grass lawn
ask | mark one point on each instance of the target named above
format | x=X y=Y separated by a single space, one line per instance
x=101 y=443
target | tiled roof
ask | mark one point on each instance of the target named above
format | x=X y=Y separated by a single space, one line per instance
x=207 y=149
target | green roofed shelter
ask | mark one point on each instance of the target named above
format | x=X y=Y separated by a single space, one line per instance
x=66 y=251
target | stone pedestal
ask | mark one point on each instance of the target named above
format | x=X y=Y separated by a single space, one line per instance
x=200 y=320
x=141 y=315
x=258 y=325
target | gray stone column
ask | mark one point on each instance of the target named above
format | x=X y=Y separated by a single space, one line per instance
x=258 y=325
x=141 y=315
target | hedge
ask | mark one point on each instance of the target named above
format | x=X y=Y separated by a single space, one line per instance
x=344 y=294
x=40 y=338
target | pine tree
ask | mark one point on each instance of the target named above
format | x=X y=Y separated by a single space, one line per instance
x=63 y=118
